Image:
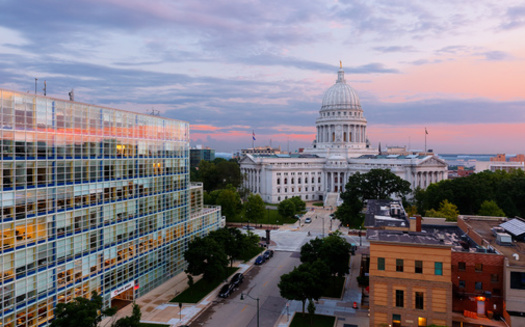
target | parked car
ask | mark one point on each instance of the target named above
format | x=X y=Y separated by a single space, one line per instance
x=237 y=279
x=298 y=216
x=308 y=220
x=268 y=254
x=226 y=290
x=260 y=260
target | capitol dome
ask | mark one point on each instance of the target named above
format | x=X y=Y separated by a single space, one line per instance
x=340 y=95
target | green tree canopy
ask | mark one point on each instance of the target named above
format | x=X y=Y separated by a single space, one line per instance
x=81 y=312
x=334 y=250
x=306 y=282
x=490 y=208
x=286 y=208
x=507 y=189
x=375 y=184
x=299 y=204
x=254 y=208
x=205 y=256
x=230 y=202
x=217 y=174
x=446 y=210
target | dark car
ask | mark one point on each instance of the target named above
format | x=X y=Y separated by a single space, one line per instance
x=260 y=260
x=226 y=290
x=268 y=254
x=237 y=279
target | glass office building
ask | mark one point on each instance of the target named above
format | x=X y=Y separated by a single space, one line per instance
x=92 y=198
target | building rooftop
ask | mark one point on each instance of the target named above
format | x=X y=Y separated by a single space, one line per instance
x=482 y=227
x=385 y=213
x=406 y=237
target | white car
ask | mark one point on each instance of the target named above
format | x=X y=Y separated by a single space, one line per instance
x=308 y=220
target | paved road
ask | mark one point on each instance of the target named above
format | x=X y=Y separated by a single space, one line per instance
x=260 y=281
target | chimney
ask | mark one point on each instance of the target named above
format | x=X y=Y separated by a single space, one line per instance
x=415 y=223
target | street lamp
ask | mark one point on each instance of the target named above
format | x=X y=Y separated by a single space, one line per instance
x=257 y=299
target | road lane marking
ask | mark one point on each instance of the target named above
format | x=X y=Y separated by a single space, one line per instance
x=244 y=308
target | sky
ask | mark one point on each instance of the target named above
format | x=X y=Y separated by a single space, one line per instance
x=232 y=67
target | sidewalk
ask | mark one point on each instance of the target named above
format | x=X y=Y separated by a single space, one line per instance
x=156 y=308
x=340 y=308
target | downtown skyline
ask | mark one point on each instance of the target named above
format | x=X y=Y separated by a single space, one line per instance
x=233 y=67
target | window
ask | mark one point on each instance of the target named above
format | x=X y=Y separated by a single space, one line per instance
x=399 y=265
x=478 y=267
x=396 y=320
x=421 y=322
x=479 y=286
x=494 y=278
x=517 y=280
x=420 y=300
x=419 y=267
x=380 y=263
x=461 y=284
x=400 y=294
x=438 y=268
x=462 y=266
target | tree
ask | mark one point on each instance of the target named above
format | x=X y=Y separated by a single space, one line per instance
x=130 y=321
x=446 y=210
x=376 y=184
x=230 y=202
x=229 y=173
x=491 y=209
x=311 y=311
x=306 y=282
x=299 y=204
x=231 y=240
x=286 y=208
x=254 y=208
x=334 y=250
x=81 y=312
x=205 y=256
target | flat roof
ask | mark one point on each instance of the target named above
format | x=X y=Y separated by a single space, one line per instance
x=378 y=214
x=405 y=237
x=483 y=227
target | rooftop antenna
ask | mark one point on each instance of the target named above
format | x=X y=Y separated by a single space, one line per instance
x=72 y=95
x=154 y=112
x=36 y=79
x=45 y=88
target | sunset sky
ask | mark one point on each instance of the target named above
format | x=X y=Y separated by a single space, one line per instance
x=233 y=67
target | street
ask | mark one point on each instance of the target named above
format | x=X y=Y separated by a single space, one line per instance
x=259 y=282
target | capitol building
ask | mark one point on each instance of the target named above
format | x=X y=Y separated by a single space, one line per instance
x=340 y=149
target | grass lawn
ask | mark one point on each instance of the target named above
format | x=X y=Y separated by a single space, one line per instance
x=318 y=320
x=142 y=324
x=271 y=217
x=200 y=289
x=335 y=287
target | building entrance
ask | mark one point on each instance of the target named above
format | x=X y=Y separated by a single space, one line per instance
x=123 y=296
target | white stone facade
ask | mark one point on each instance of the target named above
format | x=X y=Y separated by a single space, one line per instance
x=341 y=149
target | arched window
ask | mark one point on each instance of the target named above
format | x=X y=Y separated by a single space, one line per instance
x=313 y=180
x=278 y=198
x=278 y=181
x=292 y=180
x=318 y=179
x=299 y=180
x=344 y=136
x=333 y=136
x=285 y=181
